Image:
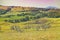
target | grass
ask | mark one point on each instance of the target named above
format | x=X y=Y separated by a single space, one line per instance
x=53 y=33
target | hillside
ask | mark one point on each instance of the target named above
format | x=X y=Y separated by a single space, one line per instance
x=29 y=23
x=15 y=14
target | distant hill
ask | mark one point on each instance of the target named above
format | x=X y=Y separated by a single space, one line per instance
x=51 y=7
x=16 y=8
x=19 y=8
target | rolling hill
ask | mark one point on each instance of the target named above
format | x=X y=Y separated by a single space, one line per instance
x=29 y=23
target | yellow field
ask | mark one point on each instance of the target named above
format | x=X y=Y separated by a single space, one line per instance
x=53 y=33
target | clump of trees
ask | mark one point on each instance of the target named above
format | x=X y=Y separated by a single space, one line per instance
x=2 y=12
x=18 y=20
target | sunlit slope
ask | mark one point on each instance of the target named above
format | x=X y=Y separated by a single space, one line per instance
x=52 y=33
x=54 y=23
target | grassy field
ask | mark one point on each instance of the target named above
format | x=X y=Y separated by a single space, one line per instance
x=52 y=33
x=20 y=23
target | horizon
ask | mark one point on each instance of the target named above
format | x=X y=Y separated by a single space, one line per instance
x=35 y=7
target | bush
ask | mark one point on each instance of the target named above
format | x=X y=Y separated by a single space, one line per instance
x=16 y=28
x=27 y=27
x=46 y=26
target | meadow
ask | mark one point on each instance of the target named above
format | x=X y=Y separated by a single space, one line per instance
x=52 y=33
